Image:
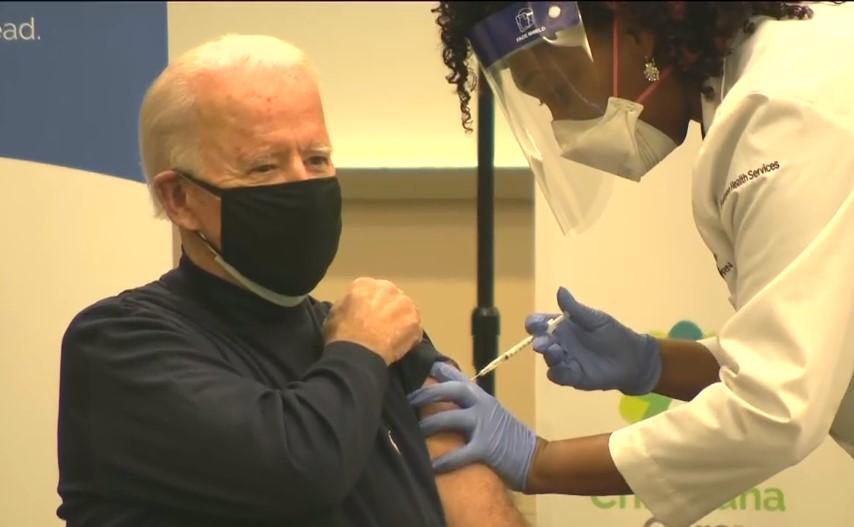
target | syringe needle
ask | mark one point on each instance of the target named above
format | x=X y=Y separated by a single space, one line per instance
x=516 y=348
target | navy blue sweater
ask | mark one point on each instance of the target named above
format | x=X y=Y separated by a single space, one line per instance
x=192 y=402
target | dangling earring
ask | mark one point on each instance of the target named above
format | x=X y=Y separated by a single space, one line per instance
x=650 y=71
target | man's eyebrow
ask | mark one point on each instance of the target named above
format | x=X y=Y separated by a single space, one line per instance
x=319 y=148
x=254 y=156
x=271 y=153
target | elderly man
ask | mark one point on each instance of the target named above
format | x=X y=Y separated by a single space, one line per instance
x=222 y=394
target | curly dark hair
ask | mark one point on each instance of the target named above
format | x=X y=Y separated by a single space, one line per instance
x=690 y=34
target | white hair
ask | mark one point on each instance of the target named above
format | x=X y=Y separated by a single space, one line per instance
x=167 y=137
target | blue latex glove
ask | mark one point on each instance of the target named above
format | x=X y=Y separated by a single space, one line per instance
x=590 y=350
x=494 y=437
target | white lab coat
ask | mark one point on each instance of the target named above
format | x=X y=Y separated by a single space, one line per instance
x=773 y=198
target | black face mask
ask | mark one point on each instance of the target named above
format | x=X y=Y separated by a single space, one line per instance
x=283 y=236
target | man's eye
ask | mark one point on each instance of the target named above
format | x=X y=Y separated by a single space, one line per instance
x=263 y=168
x=320 y=161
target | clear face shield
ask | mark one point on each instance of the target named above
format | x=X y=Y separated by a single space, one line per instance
x=563 y=107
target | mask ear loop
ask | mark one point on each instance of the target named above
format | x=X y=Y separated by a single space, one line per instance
x=216 y=191
x=207 y=243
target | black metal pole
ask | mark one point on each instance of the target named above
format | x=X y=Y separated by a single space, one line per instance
x=485 y=318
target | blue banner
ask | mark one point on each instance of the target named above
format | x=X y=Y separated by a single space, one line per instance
x=72 y=78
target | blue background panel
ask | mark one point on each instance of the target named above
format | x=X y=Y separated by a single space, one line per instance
x=70 y=95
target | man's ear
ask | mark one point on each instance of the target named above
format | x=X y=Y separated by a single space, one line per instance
x=172 y=192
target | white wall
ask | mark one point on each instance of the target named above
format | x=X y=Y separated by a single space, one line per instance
x=69 y=238
x=382 y=79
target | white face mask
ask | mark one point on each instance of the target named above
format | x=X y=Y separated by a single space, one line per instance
x=618 y=142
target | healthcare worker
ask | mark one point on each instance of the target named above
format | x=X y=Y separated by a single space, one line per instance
x=598 y=90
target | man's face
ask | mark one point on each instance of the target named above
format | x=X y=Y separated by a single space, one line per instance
x=257 y=128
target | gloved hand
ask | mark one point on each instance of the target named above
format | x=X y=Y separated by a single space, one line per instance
x=590 y=350
x=495 y=437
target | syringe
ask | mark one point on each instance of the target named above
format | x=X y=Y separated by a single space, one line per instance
x=516 y=348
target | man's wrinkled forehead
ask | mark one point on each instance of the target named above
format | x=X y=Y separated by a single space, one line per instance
x=253 y=93
x=241 y=115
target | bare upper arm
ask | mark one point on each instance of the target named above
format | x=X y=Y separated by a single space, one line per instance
x=473 y=495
